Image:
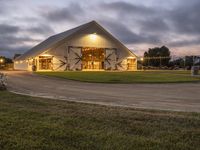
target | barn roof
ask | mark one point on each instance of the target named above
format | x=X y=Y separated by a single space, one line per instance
x=53 y=40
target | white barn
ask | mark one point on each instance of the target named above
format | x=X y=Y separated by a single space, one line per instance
x=87 y=47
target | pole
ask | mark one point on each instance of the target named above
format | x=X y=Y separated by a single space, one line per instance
x=160 y=62
x=193 y=60
x=184 y=62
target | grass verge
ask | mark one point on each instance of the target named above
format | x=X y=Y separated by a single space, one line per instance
x=126 y=77
x=36 y=123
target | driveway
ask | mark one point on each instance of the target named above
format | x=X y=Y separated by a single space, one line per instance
x=178 y=97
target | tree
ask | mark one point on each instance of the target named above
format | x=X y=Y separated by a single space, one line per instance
x=157 y=57
x=180 y=62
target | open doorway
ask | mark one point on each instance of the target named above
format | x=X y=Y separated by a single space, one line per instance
x=45 y=62
x=93 y=58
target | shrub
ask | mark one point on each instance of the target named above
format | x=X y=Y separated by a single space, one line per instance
x=2 y=81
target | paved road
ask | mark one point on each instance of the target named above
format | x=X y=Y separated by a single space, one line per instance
x=179 y=97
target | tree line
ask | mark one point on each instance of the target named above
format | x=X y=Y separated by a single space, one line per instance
x=161 y=57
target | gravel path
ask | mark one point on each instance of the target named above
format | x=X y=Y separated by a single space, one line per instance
x=178 y=97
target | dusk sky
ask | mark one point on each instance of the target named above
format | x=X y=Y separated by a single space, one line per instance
x=138 y=24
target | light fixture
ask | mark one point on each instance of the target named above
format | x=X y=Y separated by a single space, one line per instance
x=131 y=57
x=93 y=36
x=1 y=60
x=45 y=55
x=142 y=59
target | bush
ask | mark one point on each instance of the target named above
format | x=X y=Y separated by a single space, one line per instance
x=2 y=82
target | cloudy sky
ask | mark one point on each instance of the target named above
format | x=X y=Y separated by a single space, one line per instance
x=140 y=24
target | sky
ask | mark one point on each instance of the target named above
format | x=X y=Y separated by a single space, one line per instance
x=139 y=24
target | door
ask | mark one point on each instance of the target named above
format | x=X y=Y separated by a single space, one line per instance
x=131 y=64
x=93 y=58
x=74 y=58
x=110 y=59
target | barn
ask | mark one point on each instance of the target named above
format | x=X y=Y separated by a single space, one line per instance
x=88 y=47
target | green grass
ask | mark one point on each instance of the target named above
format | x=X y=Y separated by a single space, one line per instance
x=127 y=77
x=42 y=124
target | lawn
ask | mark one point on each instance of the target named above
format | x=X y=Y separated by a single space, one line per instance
x=43 y=124
x=127 y=77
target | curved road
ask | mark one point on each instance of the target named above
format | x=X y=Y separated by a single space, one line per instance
x=178 y=97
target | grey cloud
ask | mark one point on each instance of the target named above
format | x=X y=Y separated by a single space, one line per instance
x=41 y=29
x=148 y=20
x=11 y=51
x=10 y=45
x=68 y=13
x=8 y=29
x=2 y=7
x=128 y=8
x=9 y=33
x=156 y=25
x=131 y=23
x=5 y=8
x=185 y=43
x=11 y=42
x=185 y=18
x=128 y=36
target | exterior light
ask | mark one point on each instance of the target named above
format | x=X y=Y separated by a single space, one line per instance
x=45 y=55
x=16 y=62
x=142 y=59
x=93 y=36
x=1 y=60
x=131 y=57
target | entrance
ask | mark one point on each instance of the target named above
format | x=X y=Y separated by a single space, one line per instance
x=131 y=64
x=45 y=62
x=93 y=58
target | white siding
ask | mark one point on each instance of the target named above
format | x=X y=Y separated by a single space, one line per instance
x=21 y=65
x=93 y=36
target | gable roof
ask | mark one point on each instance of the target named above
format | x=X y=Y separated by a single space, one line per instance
x=53 y=40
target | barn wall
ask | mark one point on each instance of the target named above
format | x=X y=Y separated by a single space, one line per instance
x=60 y=56
x=93 y=36
x=100 y=39
x=21 y=65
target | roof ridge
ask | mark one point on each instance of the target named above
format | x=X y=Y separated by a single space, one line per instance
x=74 y=28
x=57 y=37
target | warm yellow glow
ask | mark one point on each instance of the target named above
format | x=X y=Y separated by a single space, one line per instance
x=93 y=36
x=21 y=61
x=16 y=62
x=27 y=61
x=1 y=60
x=131 y=57
x=45 y=55
x=142 y=59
